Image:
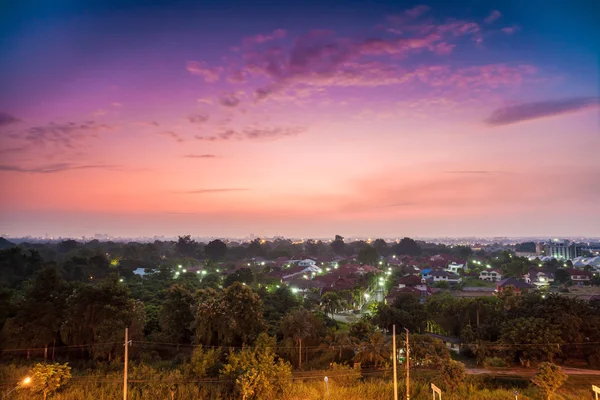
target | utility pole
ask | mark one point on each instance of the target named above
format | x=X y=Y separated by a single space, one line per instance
x=126 y=361
x=395 y=355
x=407 y=366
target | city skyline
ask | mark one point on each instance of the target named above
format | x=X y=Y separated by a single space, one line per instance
x=311 y=119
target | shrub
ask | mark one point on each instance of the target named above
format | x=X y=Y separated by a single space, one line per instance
x=496 y=362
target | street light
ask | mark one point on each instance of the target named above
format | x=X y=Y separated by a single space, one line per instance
x=26 y=381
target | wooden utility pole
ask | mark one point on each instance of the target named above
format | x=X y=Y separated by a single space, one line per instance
x=407 y=366
x=126 y=358
x=300 y=353
x=395 y=355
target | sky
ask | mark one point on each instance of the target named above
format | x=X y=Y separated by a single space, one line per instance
x=302 y=119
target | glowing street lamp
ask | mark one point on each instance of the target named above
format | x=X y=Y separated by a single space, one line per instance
x=26 y=381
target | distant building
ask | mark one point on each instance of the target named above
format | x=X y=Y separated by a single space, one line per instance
x=562 y=250
x=444 y=276
x=519 y=285
x=492 y=275
x=454 y=267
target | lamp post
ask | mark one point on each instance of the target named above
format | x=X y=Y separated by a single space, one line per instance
x=26 y=381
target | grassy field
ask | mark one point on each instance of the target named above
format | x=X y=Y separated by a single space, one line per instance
x=172 y=385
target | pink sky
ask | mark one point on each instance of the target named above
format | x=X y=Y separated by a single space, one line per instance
x=308 y=133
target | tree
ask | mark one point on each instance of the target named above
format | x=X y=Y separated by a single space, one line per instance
x=300 y=325
x=338 y=246
x=187 y=246
x=48 y=378
x=376 y=350
x=381 y=246
x=216 y=249
x=453 y=375
x=204 y=362
x=562 y=276
x=549 y=378
x=98 y=315
x=242 y=275
x=407 y=246
x=232 y=317
x=368 y=255
x=40 y=314
x=331 y=301
x=257 y=372
x=177 y=315
x=531 y=339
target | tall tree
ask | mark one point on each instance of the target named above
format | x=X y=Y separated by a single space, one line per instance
x=338 y=246
x=177 y=315
x=375 y=350
x=232 y=317
x=300 y=325
x=40 y=314
x=368 y=255
x=407 y=246
x=216 y=249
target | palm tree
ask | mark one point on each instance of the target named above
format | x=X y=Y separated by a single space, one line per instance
x=373 y=351
x=330 y=302
x=335 y=343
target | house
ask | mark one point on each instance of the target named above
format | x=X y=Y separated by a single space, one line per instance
x=444 y=276
x=519 y=285
x=492 y=275
x=425 y=273
x=454 y=267
x=301 y=270
x=421 y=291
x=539 y=278
x=579 y=277
x=410 y=281
x=307 y=263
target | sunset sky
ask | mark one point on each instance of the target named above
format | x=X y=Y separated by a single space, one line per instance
x=304 y=119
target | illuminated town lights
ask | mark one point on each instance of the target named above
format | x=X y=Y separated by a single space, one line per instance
x=179 y=266
x=203 y=272
x=294 y=290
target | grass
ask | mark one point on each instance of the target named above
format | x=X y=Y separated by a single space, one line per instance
x=155 y=384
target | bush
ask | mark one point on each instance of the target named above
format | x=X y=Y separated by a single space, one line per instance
x=495 y=362
x=344 y=375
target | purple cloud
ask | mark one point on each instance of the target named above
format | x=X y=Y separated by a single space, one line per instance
x=229 y=100
x=173 y=135
x=528 y=111
x=53 y=168
x=509 y=30
x=198 y=118
x=199 y=156
x=201 y=68
x=494 y=15
x=254 y=133
x=7 y=119
x=65 y=134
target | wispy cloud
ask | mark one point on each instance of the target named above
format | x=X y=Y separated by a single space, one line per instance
x=494 y=15
x=54 y=168
x=542 y=109
x=173 y=135
x=198 y=118
x=200 y=156
x=509 y=30
x=7 y=119
x=64 y=134
x=260 y=38
x=229 y=100
x=254 y=133
x=210 y=74
x=209 y=191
